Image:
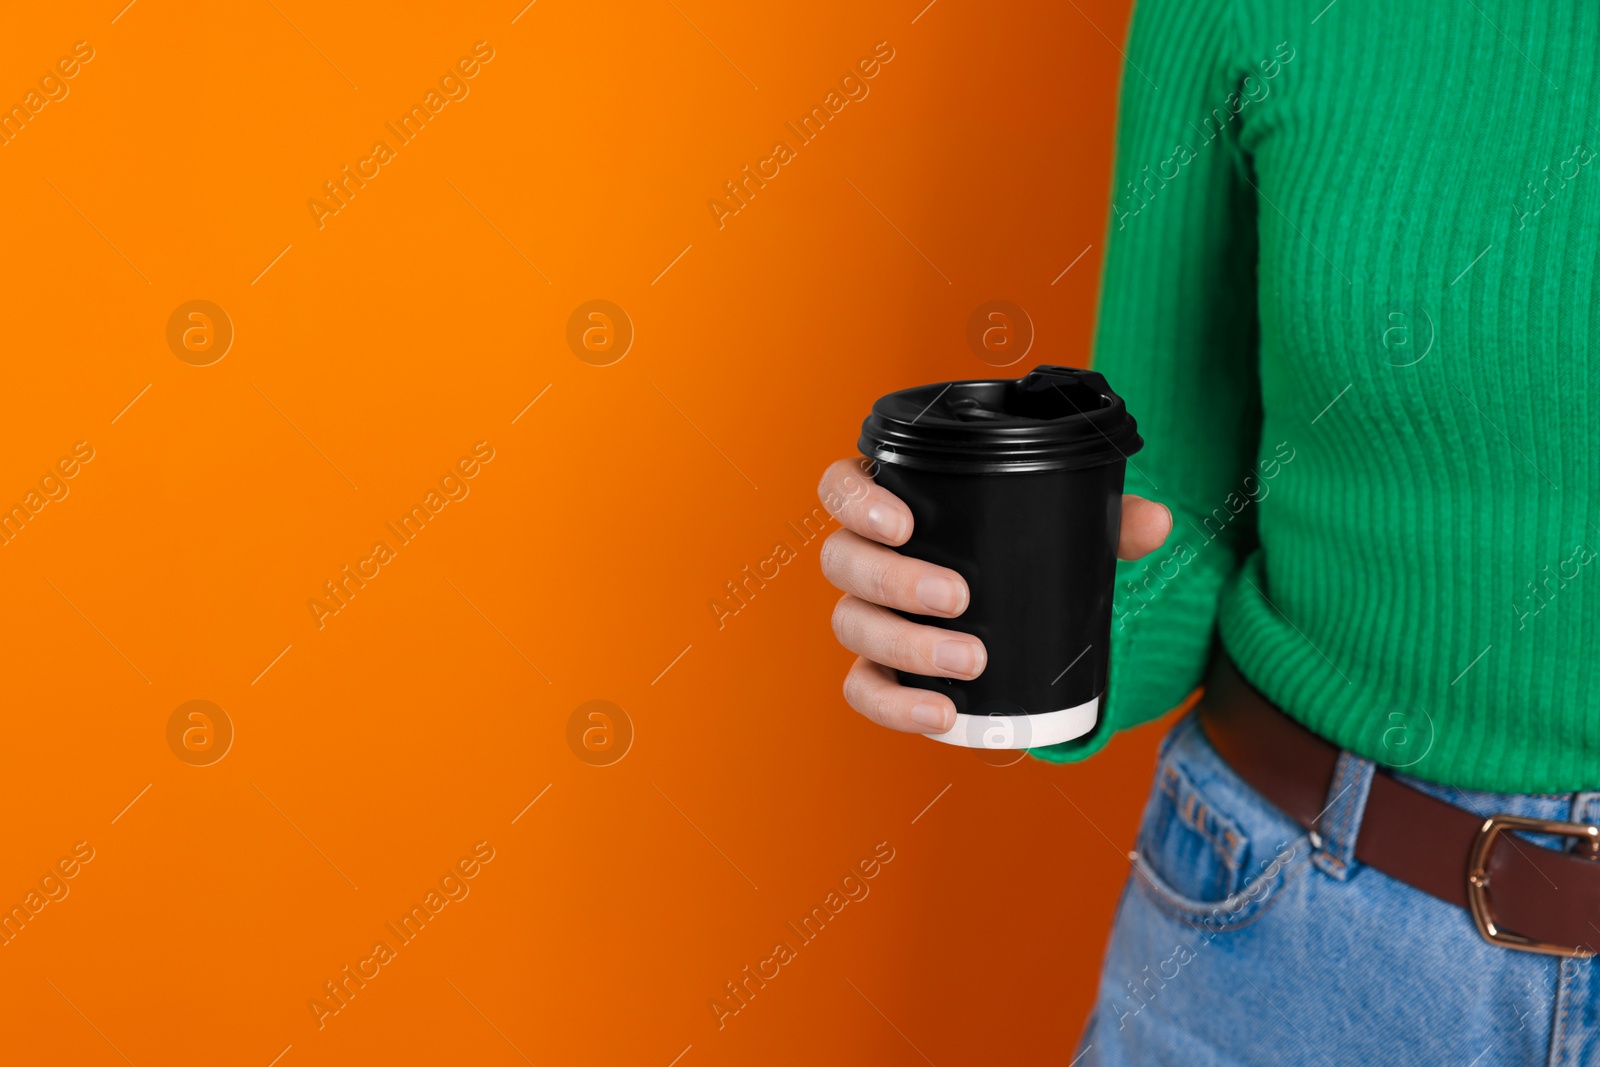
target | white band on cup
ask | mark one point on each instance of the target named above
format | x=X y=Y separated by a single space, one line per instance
x=1021 y=731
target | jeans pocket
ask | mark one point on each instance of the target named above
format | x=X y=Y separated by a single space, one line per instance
x=1211 y=851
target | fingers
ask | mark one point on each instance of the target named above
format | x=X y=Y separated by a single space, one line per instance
x=886 y=638
x=854 y=560
x=873 y=691
x=883 y=576
x=852 y=497
x=1145 y=526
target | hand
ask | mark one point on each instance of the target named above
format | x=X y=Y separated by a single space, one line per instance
x=875 y=578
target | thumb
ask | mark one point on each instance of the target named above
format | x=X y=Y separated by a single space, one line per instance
x=1145 y=526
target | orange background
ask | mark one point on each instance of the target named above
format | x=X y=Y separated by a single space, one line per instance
x=424 y=717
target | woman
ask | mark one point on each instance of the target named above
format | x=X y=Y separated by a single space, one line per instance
x=1349 y=293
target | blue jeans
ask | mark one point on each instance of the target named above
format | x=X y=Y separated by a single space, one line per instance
x=1241 y=939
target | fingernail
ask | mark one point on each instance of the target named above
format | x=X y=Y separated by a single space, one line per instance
x=959 y=657
x=941 y=595
x=930 y=717
x=886 y=522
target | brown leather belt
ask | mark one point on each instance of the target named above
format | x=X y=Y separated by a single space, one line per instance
x=1520 y=895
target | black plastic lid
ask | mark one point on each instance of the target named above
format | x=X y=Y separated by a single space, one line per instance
x=1053 y=418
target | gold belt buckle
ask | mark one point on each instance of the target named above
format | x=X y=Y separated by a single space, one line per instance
x=1478 y=879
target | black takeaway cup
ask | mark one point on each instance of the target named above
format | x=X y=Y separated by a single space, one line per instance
x=1016 y=484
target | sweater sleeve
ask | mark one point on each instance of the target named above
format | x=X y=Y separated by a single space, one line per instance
x=1177 y=338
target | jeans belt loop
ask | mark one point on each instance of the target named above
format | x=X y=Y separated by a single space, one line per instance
x=1334 y=839
x=1586 y=809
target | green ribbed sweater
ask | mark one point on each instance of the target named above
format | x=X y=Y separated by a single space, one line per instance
x=1350 y=295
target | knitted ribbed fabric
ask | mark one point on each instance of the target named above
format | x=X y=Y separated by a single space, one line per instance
x=1350 y=295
